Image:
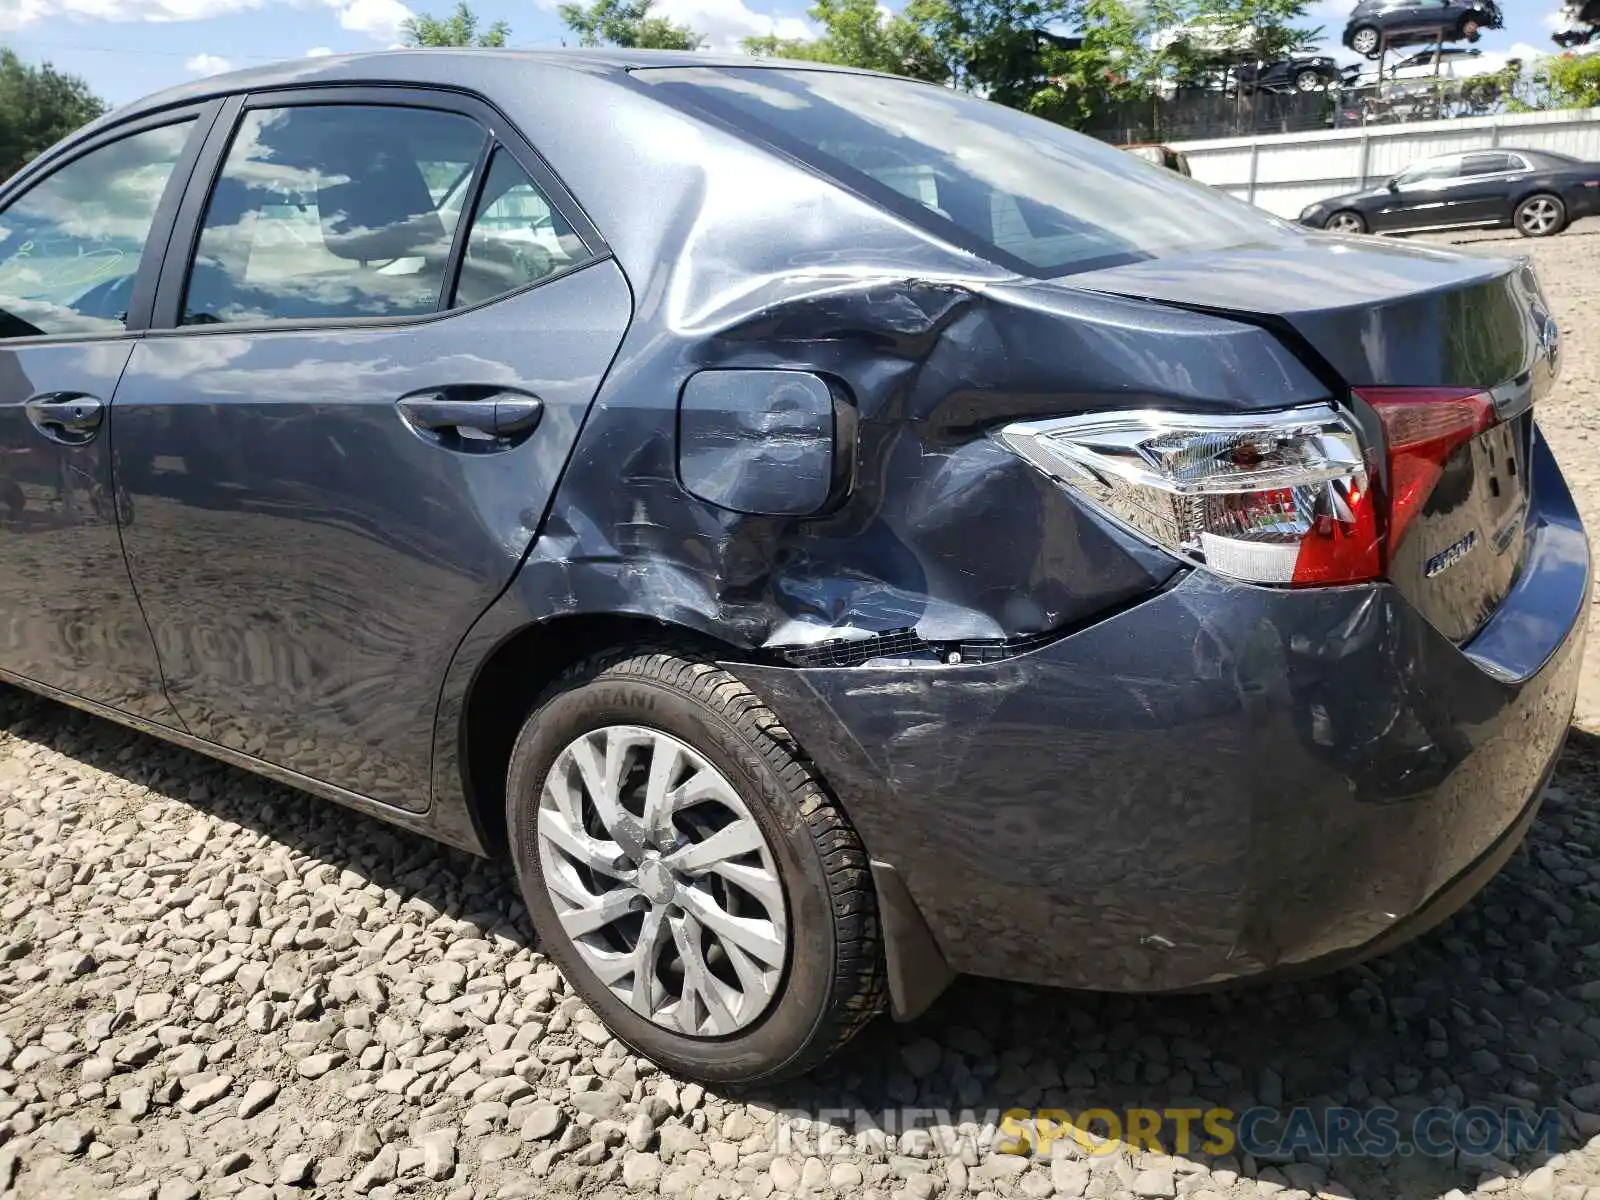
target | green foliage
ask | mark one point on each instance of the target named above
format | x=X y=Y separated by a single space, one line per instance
x=1568 y=81
x=1065 y=60
x=1002 y=49
x=1114 y=64
x=627 y=23
x=38 y=107
x=460 y=28
x=857 y=33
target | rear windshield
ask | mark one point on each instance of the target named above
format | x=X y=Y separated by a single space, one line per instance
x=1018 y=190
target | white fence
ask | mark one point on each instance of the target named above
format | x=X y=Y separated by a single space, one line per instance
x=1284 y=172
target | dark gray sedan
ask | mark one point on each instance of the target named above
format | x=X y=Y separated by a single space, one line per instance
x=829 y=532
x=1536 y=192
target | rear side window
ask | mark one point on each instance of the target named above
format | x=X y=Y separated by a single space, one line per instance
x=517 y=237
x=1485 y=164
x=332 y=211
x=70 y=245
x=1022 y=191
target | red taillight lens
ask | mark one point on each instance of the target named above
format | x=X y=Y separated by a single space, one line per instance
x=1342 y=547
x=1278 y=497
x=1423 y=427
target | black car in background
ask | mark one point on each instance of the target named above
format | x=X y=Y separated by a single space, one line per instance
x=1302 y=73
x=1539 y=192
x=1580 y=22
x=1375 y=24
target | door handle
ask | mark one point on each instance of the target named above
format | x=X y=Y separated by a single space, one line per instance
x=68 y=418
x=498 y=414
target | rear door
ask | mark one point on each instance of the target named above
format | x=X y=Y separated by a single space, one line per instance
x=384 y=323
x=80 y=248
x=1485 y=188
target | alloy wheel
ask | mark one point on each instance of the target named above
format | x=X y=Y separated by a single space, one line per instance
x=1344 y=222
x=663 y=880
x=1308 y=81
x=1365 y=41
x=1538 y=216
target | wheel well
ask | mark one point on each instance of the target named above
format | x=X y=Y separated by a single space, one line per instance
x=517 y=671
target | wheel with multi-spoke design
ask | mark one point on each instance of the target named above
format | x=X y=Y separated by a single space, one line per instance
x=1346 y=220
x=688 y=871
x=1540 y=215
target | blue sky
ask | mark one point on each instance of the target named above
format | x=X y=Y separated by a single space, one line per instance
x=127 y=48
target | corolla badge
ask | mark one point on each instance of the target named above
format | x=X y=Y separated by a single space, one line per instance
x=1450 y=555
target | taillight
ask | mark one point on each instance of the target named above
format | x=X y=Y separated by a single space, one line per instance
x=1271 y=498
x=1275 y=498
x=1423 y=428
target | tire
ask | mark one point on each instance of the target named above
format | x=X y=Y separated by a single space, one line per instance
x=821 y=910
x=1346 y=220
x=1540 y=215
x=1469 y=29
x=1308 y=81
x=1365 y=40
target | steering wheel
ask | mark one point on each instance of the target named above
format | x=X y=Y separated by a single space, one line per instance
x=534 y=260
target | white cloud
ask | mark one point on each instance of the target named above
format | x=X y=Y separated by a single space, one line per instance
x=318 y=52
x=207 y=64
x=1555 y=20
x=378 y=19
x=15 y=16
x=725 y=23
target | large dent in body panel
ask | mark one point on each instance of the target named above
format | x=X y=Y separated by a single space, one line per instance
x=741 y=258
x=943 y=532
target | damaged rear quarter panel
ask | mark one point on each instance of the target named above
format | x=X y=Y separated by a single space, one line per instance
x=944 y=532
x=739 y=258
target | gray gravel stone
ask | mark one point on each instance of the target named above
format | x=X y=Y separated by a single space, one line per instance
x=257 y=1097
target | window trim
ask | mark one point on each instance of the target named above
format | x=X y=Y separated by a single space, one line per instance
x=156 y=243
x=167 y=312
x=459 y=252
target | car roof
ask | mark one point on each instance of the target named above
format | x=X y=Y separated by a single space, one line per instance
x=423 y=67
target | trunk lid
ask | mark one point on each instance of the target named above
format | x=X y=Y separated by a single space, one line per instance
x=1365 y=313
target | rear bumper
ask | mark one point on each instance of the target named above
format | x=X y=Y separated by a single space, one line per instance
x=1583 y=202
x=1221 y=782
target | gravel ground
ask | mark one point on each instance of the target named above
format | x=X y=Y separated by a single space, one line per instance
x=212 y=986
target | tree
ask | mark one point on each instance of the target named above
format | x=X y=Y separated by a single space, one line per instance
x=1212 y=34
x=38 y=107
x=858 y=33
x=460 y=28
x=1113 y=62
x=1568 y=81
x=627 y=23
x=998 y=48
